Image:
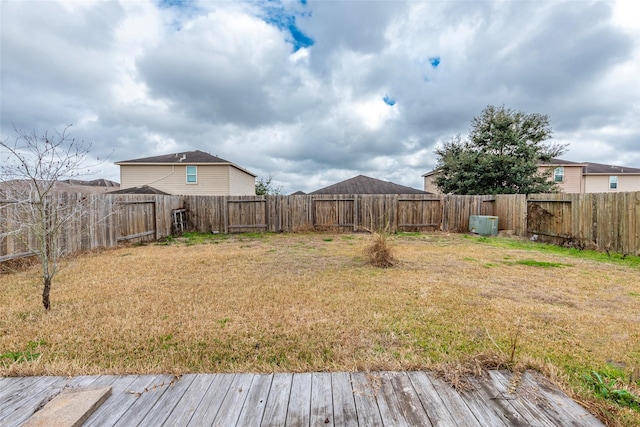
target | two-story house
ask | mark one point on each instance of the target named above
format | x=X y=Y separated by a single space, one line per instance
x=188 y=173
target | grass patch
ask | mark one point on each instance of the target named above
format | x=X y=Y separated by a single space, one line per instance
x=510 y=243
x=542 y=264
x=292 y=302
x=27 y=355
x=609 y=384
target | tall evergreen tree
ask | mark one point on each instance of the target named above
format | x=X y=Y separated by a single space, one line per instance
x=500 y=156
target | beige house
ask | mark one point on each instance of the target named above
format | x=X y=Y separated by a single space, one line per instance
x=590 y=177
x=572 y=177
x=188 y=173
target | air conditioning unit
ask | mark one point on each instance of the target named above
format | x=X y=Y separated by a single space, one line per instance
x=484 y=225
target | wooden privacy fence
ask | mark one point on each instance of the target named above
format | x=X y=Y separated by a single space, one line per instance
x=98 y=221
x=599 y=221
x=348 y=212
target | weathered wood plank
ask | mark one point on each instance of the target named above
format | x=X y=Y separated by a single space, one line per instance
x=459 y=410
x=167 y=402
x=190 y=400
x=109 y=412
x=409 y=402
x=431 y=401
x=321 y=400
x=569 y=412
x=212 y=400
x=384 y=398
x=234 y=400
x=388 y=403
x=145 y=400
x=344 y=405
x=29 y=399
x=501 y=382
x=299 y=400
x=364 y=393
x=9 y=384
x=275 y=411
x=256 y=401
x=484 y=412
x=484 y=392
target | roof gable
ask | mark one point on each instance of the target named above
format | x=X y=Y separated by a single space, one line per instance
x=365 y=185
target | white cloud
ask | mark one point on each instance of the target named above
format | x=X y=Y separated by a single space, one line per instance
x=227 y=77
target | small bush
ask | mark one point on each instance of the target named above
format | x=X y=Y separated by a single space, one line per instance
x=379 y=252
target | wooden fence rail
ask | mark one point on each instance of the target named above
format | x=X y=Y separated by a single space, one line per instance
x=599 y=221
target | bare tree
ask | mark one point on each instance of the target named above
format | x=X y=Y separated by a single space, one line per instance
x=30 y=167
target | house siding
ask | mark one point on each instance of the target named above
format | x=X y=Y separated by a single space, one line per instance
x=240 y=183
x=600 y=183
x=430 y=186
x=212 y=180
x=572 y=178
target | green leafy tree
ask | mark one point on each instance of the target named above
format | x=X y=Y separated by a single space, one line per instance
x=265 y=186
x=500 y=156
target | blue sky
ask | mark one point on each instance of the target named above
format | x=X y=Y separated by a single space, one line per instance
x=312 y=93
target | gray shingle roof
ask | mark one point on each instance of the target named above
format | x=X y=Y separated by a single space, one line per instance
x=144 y=189
x=599 y=168
x=365 y=185
x=561 y=162
x=183 y=157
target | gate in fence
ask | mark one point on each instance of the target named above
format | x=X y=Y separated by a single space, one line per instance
x=136 y=221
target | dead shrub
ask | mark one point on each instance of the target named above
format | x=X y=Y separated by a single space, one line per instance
x=378 y=251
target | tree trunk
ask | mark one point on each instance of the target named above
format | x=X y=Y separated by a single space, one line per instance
x=45 y=293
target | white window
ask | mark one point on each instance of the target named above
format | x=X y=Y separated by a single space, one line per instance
x=192 y=174
x=558 y=174
x=613 y=182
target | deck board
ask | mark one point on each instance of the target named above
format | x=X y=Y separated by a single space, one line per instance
x=321 y=400
x=344 y=404
x=165 y=404
x=30 y=397
x=305 y=399
x=211 y=402
x=145 y=399
x=364 y=393
x=275 y=411
x=534 y=417
x=234 y=401
x=122 y=398
x=256 y=402
x=572 y=413
x=299 y=400
x=436 y=410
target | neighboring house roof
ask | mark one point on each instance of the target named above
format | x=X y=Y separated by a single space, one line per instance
x=144 y=189
x=561 y=162
x=187 y=157
x=100 y=182
x=365 y=185
x=298 y=193
x=599 y=168
x=589 y=168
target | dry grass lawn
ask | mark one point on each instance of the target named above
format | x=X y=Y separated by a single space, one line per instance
x=310 y=302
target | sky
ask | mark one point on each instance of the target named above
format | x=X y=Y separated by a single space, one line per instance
x=311 y=93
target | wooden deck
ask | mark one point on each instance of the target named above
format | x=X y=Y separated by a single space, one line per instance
x=303 y=399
